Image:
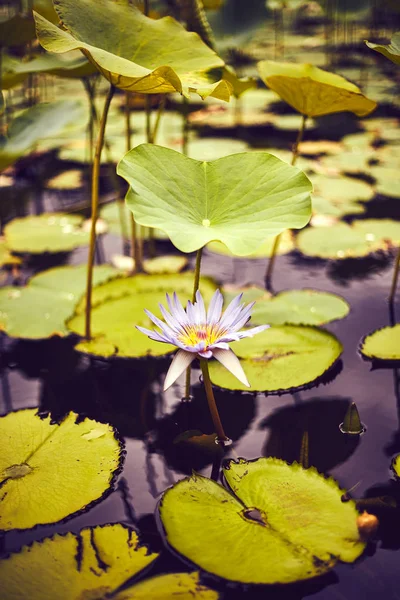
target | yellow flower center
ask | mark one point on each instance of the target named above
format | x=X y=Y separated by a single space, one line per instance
x=195 y=334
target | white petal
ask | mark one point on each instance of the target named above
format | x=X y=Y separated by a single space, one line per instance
x=215 y=308
x=180 y=363
x=252 y=331
x=154 y=335
x=231 y=310
x=170 y=319
x=230 y=361
x=200 y=308
x=163 y=326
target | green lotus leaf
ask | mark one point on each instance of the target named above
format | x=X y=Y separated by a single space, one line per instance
x=118 y=306
x=50 y=471
x=299 y=307
x=281 y=523
x=35 y=123
x=148 y=56
x=312 y=91
x=15 y=71
x=391 y=51
x=286 y=245
x=396 y=466
x=336 y=242
x=49 y=232
x=6 y=258
x=108 y=556
x=383 y=344
x=239 y=200
x=281 y=358
x=240 y=85
x=39 y=310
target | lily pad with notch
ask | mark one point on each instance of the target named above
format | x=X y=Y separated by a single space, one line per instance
x=118 y=306
x=158 y=55
x=281 y=523
x=39 y=310
x=281 y=359
x=382 y=344
x=108 y=557
x=50 y=471
x=239 y=200
x=286 y=245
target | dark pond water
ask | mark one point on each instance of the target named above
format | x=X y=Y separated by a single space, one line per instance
x=127 y=394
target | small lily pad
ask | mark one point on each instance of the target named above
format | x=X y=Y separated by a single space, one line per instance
x=214 y=148
x=282 y=358
x=110 y=213
x=239 y=200
x=6 y=258
x=50 y=471
x=387 y=180
x=286 y=245
x=342 y=189
x=336 y=242
x=69 y=180
x=118 y=306
x=299 y=307
x=49 y=232
x=383 y=344
x=161 y=265
x=312 y=91
x=281 y=523
x=40 y=309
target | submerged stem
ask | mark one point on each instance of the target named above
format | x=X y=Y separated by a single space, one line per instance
x=211 y=402
x=395 y=277
x=275 y=248
x=95 y=207
x=195 y=288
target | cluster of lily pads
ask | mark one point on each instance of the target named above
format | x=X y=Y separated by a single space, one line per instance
x=238 y=204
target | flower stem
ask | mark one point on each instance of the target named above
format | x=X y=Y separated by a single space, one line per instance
x=95 y=208
x=195 y=288
x=135 y=251
x=395 y=277
x=211 y=402
x=275 y=248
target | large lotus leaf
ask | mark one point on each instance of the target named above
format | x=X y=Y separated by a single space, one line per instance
x=281 y=358
x=312 y=91
x=336 y=242
x=91 y=564
x=299 y=307
x=109 y=555
x=35 y=123
x=391 y=51
x=49 y=471
x=49 y=232
x=286 y=245
x=40 y=309
x=15 y=71
x=148 y=56
x=118 y=306
x=383 y=344
x=282 y=523
x=239 y=200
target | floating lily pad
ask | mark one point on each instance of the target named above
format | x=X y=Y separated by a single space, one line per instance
x=69 y=180
x=158 y=56
x=160 y=265
x=383 y=344
x=249 y=294
x=286 y=244
x=379 y=230
x=50 y=471
x=336 y=242
x=335 y=208
x=387 y=180
x=214 y=148
x=312 y=91
x=35 y=123
x=299 y=307
x=239 y=200
x=110 y=213
x=349 y=162
x=292 y=123
x=49 y=232
x=40 y=309
x=281 y=358
x=342 y=189
x=391 y=51
x=281 y=523
x=6 y=258
x=118 y=306
x=109 y=556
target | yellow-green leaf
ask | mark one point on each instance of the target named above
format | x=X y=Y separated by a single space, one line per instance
x=391 y=51
x=49 y=471
x=383 y=344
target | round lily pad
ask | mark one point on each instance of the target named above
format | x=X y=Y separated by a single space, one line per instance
x=383 y=344
x=281 y=523
x=282 y=358
x=110 y=213
x=286 y=245
x=49 y=471
x=335 y=208
x=336 y=242
x=69 y=180
x=342 y=189
x=379 y=230
x=211 y=149
x=39 y=310
x=396 y=466
x=50 y=232
x=387 y=180
x=299 y=307
x=159 y=265
x=118 y=306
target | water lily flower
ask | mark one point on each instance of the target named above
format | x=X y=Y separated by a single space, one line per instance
x=202 y=334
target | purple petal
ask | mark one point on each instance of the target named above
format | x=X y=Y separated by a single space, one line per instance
x=230 y=361
x=206 y=354
x=215 y=308
x=180 y=363
x=154 y=335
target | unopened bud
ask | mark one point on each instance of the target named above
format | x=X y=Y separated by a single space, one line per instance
x=367 y=525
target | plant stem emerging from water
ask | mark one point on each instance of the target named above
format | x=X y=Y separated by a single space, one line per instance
x=221 y=437
x=275 y=248
x=95 y=208
x=195 y=288
x=395 y=277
